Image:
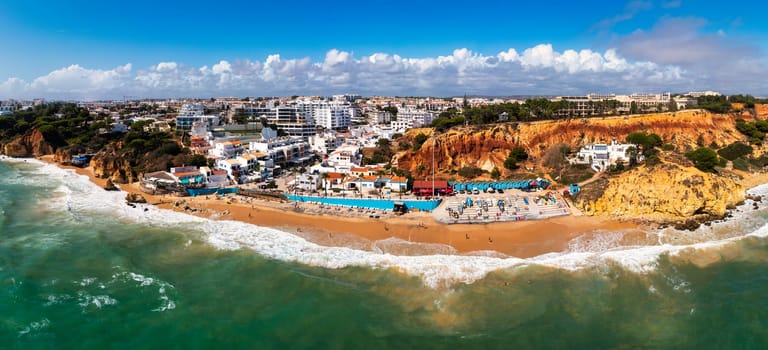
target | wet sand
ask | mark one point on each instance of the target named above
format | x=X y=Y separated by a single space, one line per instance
x=411 y=234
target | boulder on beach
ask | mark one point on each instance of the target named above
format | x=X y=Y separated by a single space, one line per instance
x=135 y=198
x=109 y=186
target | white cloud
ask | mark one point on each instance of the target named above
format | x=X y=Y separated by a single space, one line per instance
x=711 y=59
x=222 y=67
x=69 y=82
x=537 y=70
x=166 y=66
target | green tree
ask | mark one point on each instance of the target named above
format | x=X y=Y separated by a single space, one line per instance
x=646 y=141
x=735 y=150
x=703 y=158
x=419 y=140
x=495 y=173
x=518 y=153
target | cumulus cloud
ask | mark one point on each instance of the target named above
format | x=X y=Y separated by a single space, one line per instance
x=71 y=81
x=537 y=70
x=713 y=60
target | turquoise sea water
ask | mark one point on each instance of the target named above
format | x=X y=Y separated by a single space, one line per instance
x=80 y=270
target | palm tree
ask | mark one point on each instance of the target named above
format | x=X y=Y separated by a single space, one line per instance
x=325 y=185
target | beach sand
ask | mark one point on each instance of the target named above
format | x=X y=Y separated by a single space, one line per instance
x=411 y=234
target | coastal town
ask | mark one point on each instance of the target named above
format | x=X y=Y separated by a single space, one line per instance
x=312 y=151
x=322 y=152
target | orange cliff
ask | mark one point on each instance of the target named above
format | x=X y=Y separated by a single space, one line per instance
x=487 y=148
x=33 y=144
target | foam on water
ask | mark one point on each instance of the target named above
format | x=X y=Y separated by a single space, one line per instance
x=434 y=270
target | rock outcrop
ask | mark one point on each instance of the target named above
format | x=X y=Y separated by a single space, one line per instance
x=135 y=198
x=110 y=186
x=62 y=156
x=487 y=148
x=32 y=144
x=761 y=110
x=108 y=164
x=664 y=193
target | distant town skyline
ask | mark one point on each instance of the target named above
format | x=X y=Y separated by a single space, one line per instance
x=102 y=50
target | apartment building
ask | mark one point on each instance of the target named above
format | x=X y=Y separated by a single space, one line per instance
x=191 y=113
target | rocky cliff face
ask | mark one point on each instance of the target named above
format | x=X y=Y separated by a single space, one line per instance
x=487 y=148
x=110 y=165
x=32 y=144
x=761 y=110
x=62 y=156
x=664 y=193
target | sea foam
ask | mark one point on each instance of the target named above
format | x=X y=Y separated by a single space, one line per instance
x=434 y=270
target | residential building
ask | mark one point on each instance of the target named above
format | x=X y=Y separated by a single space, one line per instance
x=226 y=149
x=308 y=182
x=382 y=117
x=231 y=166
x=415 y=118
x=191 y=113
x=344 y=158
x=325 y=142
x=601 y=156
x=284 y=151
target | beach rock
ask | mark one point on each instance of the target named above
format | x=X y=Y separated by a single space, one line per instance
x=135 y=198
x=666 y=193
x=109 y=186
x=62 y=156
x=488 y=147
x=108 y=164
x=33 y=144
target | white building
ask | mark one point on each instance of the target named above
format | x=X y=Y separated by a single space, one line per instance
x=415 y=118
x=344 y=158
x=309 y=182
x=325 y=142
x=226 y=149
x=284 y=151
x=292 y=121
x=191 y=113
x=336 y=114
x=7 y=108
x=695 y=94
x=214 y=178
x=600 y=156
x=382 y=117
x=231 y=166
x=600 y=104
x=685 y=102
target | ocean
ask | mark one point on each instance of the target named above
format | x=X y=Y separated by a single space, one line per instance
x=79 y=269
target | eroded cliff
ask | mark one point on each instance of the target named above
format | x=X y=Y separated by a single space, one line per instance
x=32 y=144
x=109 y=164
x=663 y=193
x=487 y=148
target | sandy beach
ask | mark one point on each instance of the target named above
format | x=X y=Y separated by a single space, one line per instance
x=412 y=234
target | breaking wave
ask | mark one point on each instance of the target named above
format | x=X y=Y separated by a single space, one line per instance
x=75 y=193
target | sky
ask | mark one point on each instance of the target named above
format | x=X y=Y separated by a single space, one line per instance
x=87 y=50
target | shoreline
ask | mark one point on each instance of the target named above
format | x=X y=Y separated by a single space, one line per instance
x=415 y=234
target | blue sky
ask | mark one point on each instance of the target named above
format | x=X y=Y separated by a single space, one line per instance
x=104 y=49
